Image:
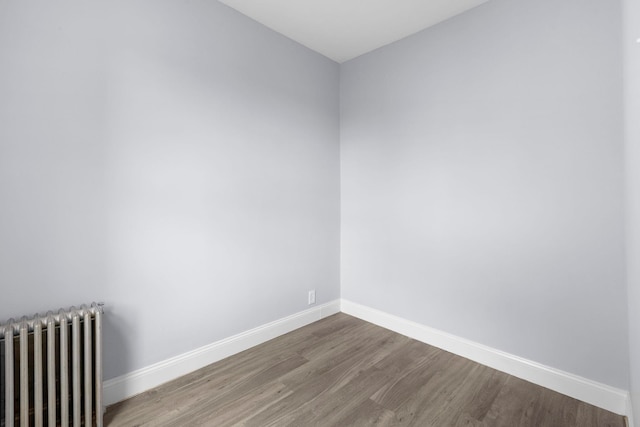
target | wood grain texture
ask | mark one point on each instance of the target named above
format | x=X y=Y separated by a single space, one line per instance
x=342 y=371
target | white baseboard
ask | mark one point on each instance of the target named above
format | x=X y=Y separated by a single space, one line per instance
x=136 y=382
x=601 y=395
x=594 y=393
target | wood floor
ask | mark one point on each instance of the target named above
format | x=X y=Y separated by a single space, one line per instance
x=342 y=371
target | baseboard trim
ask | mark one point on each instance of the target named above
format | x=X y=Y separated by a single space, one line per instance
x=592 y=392
x=144 y=379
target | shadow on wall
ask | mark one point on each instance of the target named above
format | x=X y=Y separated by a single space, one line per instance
x=117 y=352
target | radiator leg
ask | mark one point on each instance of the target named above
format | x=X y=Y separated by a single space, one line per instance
x=51 y=370
x=98 y=355
x=88 y=370
x=37 y=373
x=75 y=327
x=64 y=371
x=9 y=413
x=24 y=374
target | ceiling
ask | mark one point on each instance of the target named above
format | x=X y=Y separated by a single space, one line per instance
x=344 y=29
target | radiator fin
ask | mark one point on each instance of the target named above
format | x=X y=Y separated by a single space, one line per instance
x=51 y=369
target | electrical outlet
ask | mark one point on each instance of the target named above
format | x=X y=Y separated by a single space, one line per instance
x=312 y=297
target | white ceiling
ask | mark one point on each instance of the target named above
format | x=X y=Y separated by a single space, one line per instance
x=344 y=29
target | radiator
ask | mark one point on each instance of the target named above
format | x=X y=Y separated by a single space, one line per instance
x=51 y=369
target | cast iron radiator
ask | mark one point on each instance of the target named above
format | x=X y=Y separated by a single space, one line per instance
x=51 y=369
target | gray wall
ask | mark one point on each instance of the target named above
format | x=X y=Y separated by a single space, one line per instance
x=175 y=160
x=482 y=182
x=180 y=162
x=632 y=137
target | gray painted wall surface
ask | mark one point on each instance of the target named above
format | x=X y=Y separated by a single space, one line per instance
x=632 y=137
x=482 y=182
x=180 y=162
x=176 y=160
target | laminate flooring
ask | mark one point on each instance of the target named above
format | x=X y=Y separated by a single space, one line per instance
x=342 y=371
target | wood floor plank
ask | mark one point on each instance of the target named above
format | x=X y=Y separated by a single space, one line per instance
x=430 y=403
x=555 y=409
x=467 y=400
x=410 y=378
x=367 y=413
x=204 y=403
x=339 y=403
x=341 y=362
x=591 y=416
x=515 y=403
x=216 y=380
x=481 y=391
x=342 y=371
x=232 y=412
x=321 y=377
